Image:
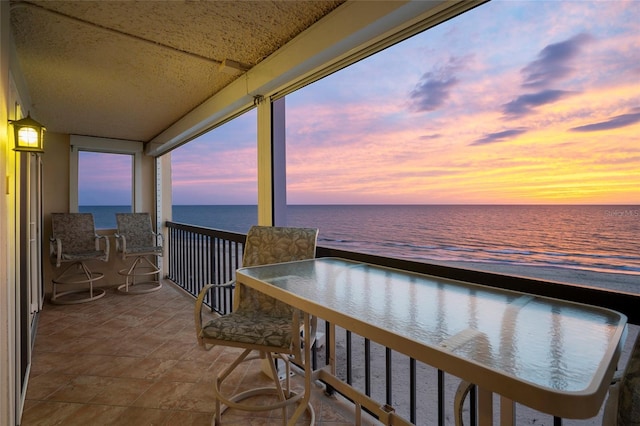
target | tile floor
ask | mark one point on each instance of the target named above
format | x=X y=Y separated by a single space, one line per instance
x=134 y=360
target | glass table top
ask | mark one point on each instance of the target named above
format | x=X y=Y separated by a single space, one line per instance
x=547 y=342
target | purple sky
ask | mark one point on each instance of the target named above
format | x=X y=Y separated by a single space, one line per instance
x=491 y=107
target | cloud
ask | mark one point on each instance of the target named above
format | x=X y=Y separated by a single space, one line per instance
x=432 y=92
x=613 y=123
x=553 y=62
x=499 y=136
x=430 y=137
x=434 y=87
x=524 y=103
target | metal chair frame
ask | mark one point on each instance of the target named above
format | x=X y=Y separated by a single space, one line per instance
x=74 y=241
x=135 y=238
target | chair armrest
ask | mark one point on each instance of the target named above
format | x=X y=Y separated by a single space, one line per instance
x=106 y=245
x=159 y=239
x=200 y=302
x=461 y=394
x=55 y=248
x=121 y=244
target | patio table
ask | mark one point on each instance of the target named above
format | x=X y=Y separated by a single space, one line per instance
x=555 y=356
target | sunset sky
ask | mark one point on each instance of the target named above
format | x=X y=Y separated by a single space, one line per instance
x=521 y=102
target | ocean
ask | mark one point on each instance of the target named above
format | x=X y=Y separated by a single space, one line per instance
x=584 y=237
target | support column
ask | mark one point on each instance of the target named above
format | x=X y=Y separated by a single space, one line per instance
x=279 y=162
x=271 y=163
x=164 y=204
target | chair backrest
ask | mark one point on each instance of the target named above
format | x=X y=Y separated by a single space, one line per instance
x=76 y=231
x=136 y=228
x=271 y=244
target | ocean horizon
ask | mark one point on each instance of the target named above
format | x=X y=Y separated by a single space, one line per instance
x=598 y=238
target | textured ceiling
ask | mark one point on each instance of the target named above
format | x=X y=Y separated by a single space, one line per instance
x=130 y=69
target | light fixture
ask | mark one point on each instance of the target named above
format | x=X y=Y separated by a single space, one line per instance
x=29 y=135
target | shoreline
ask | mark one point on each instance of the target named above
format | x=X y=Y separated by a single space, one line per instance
x=627 y=283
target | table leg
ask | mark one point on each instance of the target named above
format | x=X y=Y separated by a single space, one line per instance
x=332 y=348
x=308 y=372
x=507 y=412
x=485 y=407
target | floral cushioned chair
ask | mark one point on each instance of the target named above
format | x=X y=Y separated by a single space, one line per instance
x=260 y=322
x=74 y=241
x=135 y=238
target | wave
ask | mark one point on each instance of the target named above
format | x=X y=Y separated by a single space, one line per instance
x=510 y=251
x=580 y=261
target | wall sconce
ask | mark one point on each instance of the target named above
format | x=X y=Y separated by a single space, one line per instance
x=29 y=135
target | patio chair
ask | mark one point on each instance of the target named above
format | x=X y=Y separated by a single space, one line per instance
x=74 y=242
x=135 y=238
x=623 y=404
x=259 y=322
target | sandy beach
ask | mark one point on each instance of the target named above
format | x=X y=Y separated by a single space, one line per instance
x=627 y=283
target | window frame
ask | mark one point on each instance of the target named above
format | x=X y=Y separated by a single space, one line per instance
x=107 y=146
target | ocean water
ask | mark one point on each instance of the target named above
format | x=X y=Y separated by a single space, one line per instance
x=597 y=238
x=586 y=237
x=104 y=217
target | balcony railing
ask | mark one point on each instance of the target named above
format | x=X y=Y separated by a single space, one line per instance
x=199 y=256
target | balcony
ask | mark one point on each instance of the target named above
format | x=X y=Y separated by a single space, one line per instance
x=133 y=360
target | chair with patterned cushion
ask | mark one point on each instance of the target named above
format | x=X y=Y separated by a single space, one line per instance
x=135 y=238
x=74 y=242
x=259 y=322
x=623 y=404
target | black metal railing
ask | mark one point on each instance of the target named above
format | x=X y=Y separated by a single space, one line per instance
x=198 y=256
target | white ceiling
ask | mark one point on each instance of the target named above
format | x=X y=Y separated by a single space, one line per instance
x=130 y=69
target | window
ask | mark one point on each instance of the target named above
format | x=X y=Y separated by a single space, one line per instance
x=214 y=177
x=105 y=178
x=105 y=185
x=477 y=144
